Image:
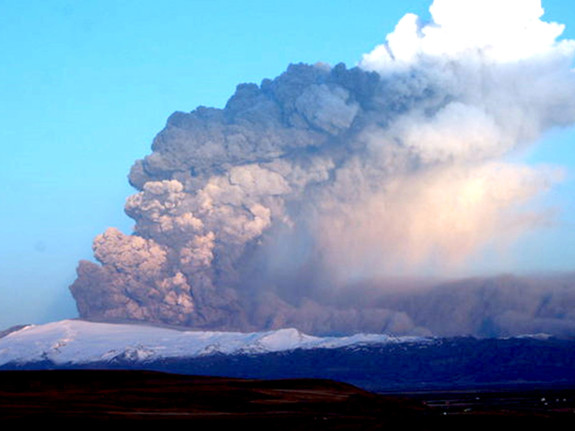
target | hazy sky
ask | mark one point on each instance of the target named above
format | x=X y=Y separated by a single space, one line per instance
x=86 y=85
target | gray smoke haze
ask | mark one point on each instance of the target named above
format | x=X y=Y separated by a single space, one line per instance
x=274 y=211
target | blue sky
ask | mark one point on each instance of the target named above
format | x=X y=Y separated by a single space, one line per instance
x=86 y=85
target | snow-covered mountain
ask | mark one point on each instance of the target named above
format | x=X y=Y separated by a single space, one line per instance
x=76 y=342
x=371 y=361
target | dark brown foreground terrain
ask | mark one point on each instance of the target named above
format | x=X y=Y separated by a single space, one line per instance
x=103 y=396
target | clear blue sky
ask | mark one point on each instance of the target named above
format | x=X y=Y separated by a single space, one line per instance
x=85 y=86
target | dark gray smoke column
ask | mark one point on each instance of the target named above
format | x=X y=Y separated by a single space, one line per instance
x=228 y=204
x=251 y=216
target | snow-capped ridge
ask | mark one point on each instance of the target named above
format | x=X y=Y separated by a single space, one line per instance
x=78 y=341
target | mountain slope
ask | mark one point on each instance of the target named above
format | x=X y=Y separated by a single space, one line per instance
x=77 y=342
x=371 y=361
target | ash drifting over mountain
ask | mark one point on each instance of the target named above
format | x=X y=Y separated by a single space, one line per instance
x=260 y=214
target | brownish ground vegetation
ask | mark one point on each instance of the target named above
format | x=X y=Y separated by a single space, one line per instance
x=303 y=404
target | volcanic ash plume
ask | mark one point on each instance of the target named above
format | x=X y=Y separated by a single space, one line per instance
x=256 y=215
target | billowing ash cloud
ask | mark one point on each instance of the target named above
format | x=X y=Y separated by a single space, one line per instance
x=252 y=216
